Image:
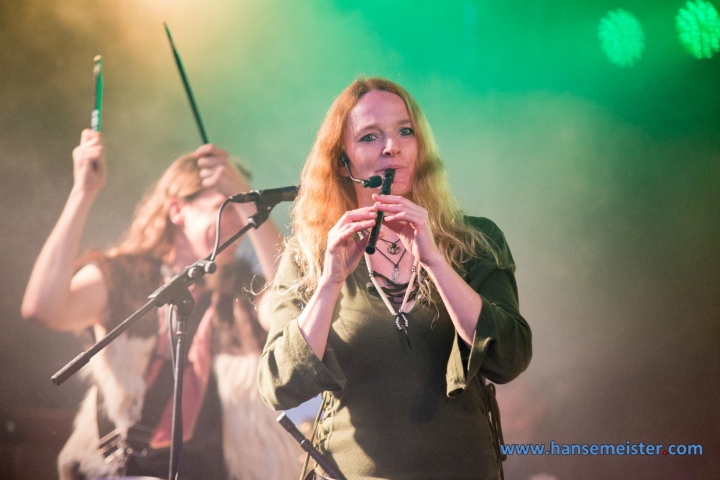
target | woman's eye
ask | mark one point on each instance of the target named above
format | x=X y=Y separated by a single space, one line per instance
x=407 y=131
x=368 y=138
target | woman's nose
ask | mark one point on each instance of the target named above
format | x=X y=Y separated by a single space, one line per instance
x=391 y=148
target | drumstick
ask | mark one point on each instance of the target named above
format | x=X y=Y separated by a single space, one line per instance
x=188 y=89
x=191 y=98
x=96 y=116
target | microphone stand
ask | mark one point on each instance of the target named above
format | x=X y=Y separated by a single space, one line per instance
x=306 y=445
x=176 y=293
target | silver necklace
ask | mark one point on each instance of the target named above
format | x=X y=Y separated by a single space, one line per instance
x=396 y=266
x=393 y=248
x=400 y=314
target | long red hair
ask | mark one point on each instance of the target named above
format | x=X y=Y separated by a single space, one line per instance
x=325 y=195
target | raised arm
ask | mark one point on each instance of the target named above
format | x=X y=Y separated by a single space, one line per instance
x=56 y=295
x=218 y=172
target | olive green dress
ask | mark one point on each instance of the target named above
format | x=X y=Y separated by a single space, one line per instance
x=397 y=412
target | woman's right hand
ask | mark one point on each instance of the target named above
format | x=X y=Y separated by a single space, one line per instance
x=57 y=295
x=343 y=253
x=88 y=163
x=342 y=256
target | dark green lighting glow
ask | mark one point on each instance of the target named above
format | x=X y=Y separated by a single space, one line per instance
x=621 y=38
x=698 y=27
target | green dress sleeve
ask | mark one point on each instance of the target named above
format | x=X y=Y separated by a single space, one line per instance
x=502 y=345
x=290 y=373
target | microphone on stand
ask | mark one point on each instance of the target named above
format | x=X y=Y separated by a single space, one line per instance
x=264 y=200
x=268 y=196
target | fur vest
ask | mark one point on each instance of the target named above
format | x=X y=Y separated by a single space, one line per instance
x=254 y=445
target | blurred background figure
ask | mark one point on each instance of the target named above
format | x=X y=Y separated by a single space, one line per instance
x=124 y=424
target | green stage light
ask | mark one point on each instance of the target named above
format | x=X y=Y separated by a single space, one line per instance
x=698 y=27
x=621 y=38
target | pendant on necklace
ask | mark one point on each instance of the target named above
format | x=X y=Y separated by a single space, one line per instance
x=393 y=249
x=396 y=270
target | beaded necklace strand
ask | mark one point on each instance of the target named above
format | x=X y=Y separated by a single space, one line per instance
x=400 y=313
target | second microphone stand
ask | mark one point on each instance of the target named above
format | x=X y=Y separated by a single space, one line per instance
x=176 y=293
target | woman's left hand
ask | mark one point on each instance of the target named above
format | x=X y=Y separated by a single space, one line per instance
x=217 y=171
x=410 y=222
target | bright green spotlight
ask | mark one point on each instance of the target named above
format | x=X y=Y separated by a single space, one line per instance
x=698 y=26
x=621 y=38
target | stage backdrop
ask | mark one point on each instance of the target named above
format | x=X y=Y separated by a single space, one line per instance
x=585 y=130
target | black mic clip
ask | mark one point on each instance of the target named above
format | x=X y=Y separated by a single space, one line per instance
x=372 y=182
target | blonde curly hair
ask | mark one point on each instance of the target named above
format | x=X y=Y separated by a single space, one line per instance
x=151 y=232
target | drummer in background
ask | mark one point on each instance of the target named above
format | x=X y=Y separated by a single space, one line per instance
x=228 y=432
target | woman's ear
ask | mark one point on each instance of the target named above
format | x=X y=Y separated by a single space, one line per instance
x=344 y=165
x=175 y=212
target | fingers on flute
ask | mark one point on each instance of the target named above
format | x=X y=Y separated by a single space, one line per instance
x=361 y=214
x=352 y=228
x=345 y=232
x=391 y=199
x=390 y=209
x=400 y=216
x=344 y=222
